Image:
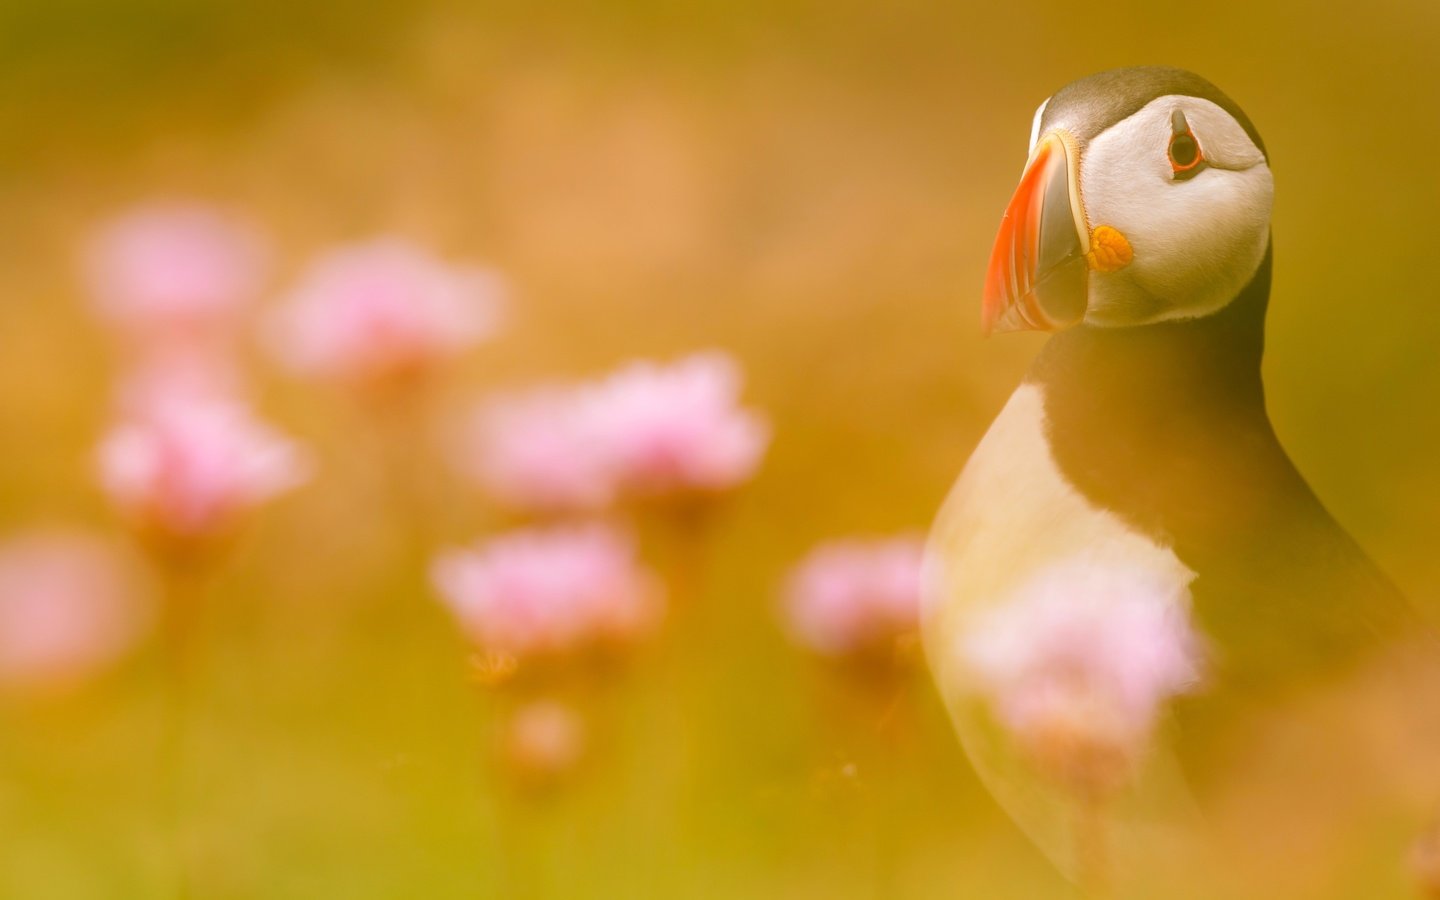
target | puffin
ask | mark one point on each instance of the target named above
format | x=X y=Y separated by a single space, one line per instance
x=1139 y=237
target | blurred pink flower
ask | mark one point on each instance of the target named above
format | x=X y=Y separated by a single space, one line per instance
x=544 y=739
x=539 y=452
x=679 y=428
x=174 y=270
x=1080 y=661
x=855 y=597
x=68 y=609
x=384 y=310
x=1425 y=861
x=187 y=467
x=552 y=591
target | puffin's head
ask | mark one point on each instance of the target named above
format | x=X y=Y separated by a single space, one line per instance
x=1146 y=198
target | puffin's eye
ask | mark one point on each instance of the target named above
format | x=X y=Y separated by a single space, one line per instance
x=1184 y=152
x=1186 y=159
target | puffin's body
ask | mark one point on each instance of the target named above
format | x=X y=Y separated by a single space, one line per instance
x=1165 y=427
x=1139 y=440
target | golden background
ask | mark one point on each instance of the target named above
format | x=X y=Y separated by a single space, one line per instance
x=812 y=186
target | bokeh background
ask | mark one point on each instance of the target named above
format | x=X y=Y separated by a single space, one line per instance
x=810 y=186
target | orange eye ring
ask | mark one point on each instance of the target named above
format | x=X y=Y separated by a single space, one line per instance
x=1186 y=157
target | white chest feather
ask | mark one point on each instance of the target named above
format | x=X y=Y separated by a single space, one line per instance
x=1011 y=515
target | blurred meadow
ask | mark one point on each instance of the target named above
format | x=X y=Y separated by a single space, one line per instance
x=809 y=188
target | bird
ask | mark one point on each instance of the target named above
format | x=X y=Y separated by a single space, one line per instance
x=1137 y=457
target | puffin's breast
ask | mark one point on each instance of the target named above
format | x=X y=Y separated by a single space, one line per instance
x=1011 y=516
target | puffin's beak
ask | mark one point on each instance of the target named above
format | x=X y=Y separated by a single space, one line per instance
x=1038 y=275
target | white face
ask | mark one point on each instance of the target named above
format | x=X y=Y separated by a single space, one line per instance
x=1199 y=236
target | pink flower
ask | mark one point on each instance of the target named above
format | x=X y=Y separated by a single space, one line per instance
x=68 y=609
x=544 y=740
x=539 y=452
x=543 y=592
x=679 y=428
x=188 y=467
x=1425 y=861
x=1080 y=661
x=174 y=270
x=855 y=597
x=384 y=311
